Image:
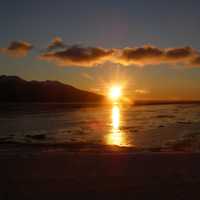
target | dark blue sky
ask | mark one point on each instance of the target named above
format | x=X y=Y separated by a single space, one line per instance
x=105 y=23
x=113 y=23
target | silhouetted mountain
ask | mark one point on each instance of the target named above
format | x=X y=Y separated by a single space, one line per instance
x=15 y=89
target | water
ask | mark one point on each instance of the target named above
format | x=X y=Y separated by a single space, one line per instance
x=155 y=126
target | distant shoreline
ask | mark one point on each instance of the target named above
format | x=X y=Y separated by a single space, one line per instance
x=165 y=102
x=134 y=103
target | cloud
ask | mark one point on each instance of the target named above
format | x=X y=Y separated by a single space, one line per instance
x=141 y=91
x=137 y=56
x=79 y=56
x=17 y=49
x=150 y=55
x=56 y=43
x=87 y=76
x=179 y=53
x=76 y=55
x=196 y=61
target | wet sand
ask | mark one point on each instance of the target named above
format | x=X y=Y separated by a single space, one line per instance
x=56 y=173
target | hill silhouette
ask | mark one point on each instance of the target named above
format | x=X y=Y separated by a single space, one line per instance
x=15 y=89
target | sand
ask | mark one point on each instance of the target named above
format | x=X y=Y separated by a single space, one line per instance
x=57 y=173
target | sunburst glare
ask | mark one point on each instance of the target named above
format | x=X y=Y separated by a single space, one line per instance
x=115 y=92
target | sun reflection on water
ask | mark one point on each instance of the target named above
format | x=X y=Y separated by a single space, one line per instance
x=115 y=117
x=116 y=137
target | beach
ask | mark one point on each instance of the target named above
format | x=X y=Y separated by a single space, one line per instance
x=100 y=100
x=114 y=152
x=29 y=172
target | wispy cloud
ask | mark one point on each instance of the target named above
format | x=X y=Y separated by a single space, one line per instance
x=141 y=91
x=17 y=49
x=87 y=76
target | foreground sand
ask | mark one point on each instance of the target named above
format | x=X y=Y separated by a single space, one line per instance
x=55 y=173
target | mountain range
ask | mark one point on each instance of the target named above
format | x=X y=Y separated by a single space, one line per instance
x=15 y=89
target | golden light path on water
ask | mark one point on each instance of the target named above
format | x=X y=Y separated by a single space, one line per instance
x=116 y=137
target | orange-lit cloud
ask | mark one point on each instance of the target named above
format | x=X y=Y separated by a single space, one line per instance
x=56 y=43
x=150 y=55
x=137 y=56
x=64 y=55
x=141 y=91
x=196 y=61
x=79 y=56
x=17 y=49
x=87 y=76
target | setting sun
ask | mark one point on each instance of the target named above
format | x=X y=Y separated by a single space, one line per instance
x=115 y=93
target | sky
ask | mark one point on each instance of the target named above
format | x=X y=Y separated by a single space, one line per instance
x=150 y=47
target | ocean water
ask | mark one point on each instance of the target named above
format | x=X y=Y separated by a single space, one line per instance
x=150 y=126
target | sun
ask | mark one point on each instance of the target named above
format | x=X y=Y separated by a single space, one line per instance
x=115 y=92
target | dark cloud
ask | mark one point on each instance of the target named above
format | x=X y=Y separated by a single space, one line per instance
x=149 y=55
x=79 y=56
x=17 y=49
x=56 y=43
x=139 y=56
x=180 y=53
x=196 y=61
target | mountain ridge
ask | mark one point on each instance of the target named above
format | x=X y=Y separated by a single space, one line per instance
x=16 y=89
